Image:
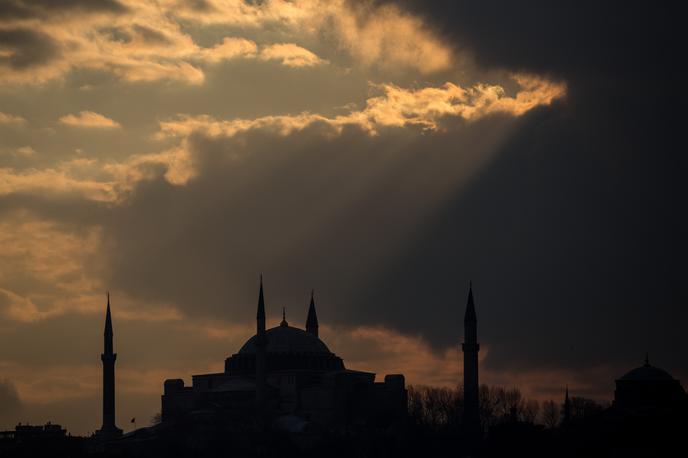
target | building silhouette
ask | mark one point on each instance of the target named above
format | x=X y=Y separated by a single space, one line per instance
x=470 y=348
x=647 y=389
x=26 y=433
x=284 y=382
x=109 y=430
x=288 y=377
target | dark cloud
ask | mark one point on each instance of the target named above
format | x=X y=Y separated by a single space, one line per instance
x=29 y=48
x=72 y=210
x=150 y=35
x=117 y=34
x=628 y=39
x=10 y=10
x=574 y=235
x=202 y=5
x=569 y=220
x=574 y=242
x=28 y=9
x=10 y=402
x=318 y=211
x=85 y=5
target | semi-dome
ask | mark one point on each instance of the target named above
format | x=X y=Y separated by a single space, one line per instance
x=286 y=339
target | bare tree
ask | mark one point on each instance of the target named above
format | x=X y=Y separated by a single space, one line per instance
x=550 y=414
x=510 y=404
x=582 y=408
x=489 y=403
x=434 y=408
x=529 y=410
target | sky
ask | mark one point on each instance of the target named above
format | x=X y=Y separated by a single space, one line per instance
x=383 y=153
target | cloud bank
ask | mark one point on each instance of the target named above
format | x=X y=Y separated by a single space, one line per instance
x=146 y=42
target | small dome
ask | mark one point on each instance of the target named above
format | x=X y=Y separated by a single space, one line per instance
x=285 y=339
x=647 y=373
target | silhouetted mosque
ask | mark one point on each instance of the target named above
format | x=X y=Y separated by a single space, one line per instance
x=286 y=380
x=289 y=376
x=648 y=388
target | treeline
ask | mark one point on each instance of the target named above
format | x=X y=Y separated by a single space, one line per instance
x=440 y=409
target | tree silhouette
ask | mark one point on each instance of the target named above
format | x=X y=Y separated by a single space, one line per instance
x=550 y=414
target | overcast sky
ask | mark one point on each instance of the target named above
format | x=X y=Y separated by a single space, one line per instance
x=382 y=153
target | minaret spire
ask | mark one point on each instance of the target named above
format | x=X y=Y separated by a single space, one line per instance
x=261 y=344
x=109 y=429
x=284 y=317
x=260 y=314
x=470 y=348
x=567 y=408
x=312 y=319
x=107 y=334
x=470 y=316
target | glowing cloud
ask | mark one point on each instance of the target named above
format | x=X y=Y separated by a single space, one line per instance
x=290 y=55
x=230 y=48
x=67 y=178
x=26 y=151
x=6 y=118
x=395 y=107
x=385 y=37
x=89 y=119
x=146 y=41
x=375 y=36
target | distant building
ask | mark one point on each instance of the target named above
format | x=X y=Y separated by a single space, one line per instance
x=29 y=433
x=32 y=434
x=648 y=388
x=288 y=376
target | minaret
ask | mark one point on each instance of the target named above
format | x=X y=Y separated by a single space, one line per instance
x=261 y=343
x=109 y=429
x=471 y=347
x=567 y=408
x=312 y=319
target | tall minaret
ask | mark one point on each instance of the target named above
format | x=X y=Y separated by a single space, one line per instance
x=109 y=429
x=261 y=343
x=312 y=319
x=471 y=347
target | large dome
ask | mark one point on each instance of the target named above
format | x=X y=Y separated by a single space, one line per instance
x=287 y=349
x=647 y=373
x=285 y=339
